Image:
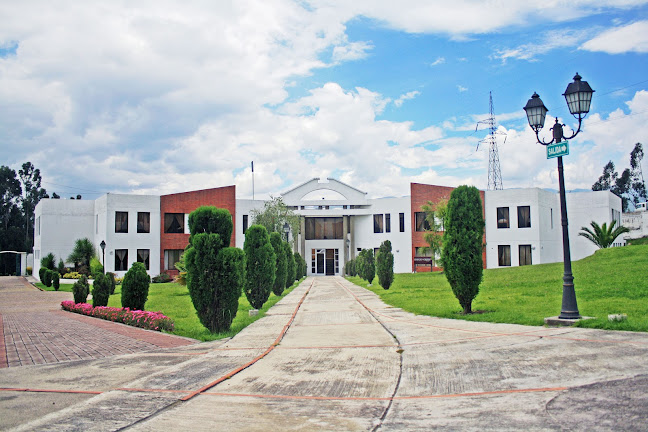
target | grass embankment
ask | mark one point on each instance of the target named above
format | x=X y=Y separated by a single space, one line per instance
x=611 y=281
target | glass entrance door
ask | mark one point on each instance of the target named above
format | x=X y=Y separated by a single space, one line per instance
x=325 y=262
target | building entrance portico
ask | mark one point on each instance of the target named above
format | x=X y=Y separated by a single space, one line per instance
x=325 y=262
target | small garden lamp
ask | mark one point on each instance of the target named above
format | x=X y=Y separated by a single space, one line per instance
x=286 y=229
x=103 y=254
x=579 y=97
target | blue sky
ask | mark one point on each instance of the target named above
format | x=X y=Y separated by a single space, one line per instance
x=173 y=96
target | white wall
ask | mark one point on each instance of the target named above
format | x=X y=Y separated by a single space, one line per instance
x=62 y=222
x=245 y=207
x=106 y=208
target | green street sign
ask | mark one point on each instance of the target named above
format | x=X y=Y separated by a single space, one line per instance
x=558 y=149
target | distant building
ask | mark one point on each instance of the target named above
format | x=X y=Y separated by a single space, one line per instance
x=337 y=221
x=636 y=222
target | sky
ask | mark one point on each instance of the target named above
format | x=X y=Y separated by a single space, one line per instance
x=157 y=97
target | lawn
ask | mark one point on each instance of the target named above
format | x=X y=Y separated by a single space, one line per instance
x=173 y=300
x=610 y=281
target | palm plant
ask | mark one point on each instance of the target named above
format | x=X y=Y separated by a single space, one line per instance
x=602 y=236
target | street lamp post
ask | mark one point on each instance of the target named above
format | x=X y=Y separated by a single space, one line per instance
x=286 y=229
x=103 y=255
x=579 y=97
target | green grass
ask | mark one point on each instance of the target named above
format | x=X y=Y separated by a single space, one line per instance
x=610 y=281
x=639 y=241
x=62 y=287
x=173 y=300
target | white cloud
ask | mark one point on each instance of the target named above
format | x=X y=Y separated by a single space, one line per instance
x=550 y=41
x=629 y=38
x=438 y=61
x=351 y=51
x=409 y=95
x=461 y=88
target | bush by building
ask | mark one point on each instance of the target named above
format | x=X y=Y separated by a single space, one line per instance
x=80 y=290
x=100 y=290
x=290 y=265
x=281 y=263
x=385 y=265
x=135 y=287
x=260 y=265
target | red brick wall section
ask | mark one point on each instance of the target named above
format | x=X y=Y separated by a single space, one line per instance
x=186 y=202
x=420 y=194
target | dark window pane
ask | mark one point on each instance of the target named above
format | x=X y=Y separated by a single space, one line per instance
x=401 y=221
x=504 y=255
x=421 y=223
x=378 y=223
x=121 y=222
x=503 y=217
x=174 y=223
x=324 y=228
x=245 y=223
x=387 y=222
x=525 y=254
x=172 y=256
x=143 y=257
x=143 y=222
x=524 y=217
x=121 y=259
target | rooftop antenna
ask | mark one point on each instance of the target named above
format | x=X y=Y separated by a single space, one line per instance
x=494 y=172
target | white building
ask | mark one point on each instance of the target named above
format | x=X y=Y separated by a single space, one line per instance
x=523 y=226
x=636 y=222
x=337 y=221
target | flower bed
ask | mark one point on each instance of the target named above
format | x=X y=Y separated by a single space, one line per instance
x=137 y=318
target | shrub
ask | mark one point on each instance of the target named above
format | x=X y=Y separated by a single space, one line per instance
x=350 y=268
x=260 y=265
x=365 y=265
x=100 y=290
x=41 y=274
x=300 y=264
x=462 y=245
x=290 y=265
x=72 y=275
x=95 y=267
x=215 y=273
x=48 y=261
x=47 y=278
x=56 y=280
x=280 y=263
x=118 y=280
x=29 y=270
x=111 y=279
x=61 y=267
x=385 y=265
x=80 y=290
x=135 y=287
x=161 y=278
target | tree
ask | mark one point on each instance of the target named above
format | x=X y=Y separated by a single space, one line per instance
x=12 y=225
x=281 y=263
x=135 y=287
x=215 y=273
x=603 y=236
x=300 y=265
x=435 y=214
x=462 y=245
x=33 y=193
x=385 y=265
x=367 y=266
x=275 y=215
x=82 y=253
x=260 y=265
x=630 y=186
x=100 y=290
x=80 y=290
x=290 y=265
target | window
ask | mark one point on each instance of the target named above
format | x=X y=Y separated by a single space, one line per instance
x=401 y=221
x=387 y=222
x=502 y=217
x=616 y=216
x=551 y=218
x=121 y=222
x=420 y=222
x=524 y=217
x=143 y=257
x=504 y=255
x=525 y=254
x=121 y=259
x=144 y=223
x=38 y=225
x=378 y=223
x=245 y=223
x=324 y=228
x=172 y=256
x=174 y=223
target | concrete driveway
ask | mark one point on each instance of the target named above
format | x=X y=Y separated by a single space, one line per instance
x=332 y=356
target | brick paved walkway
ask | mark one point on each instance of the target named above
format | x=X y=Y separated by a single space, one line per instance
x=37 y=331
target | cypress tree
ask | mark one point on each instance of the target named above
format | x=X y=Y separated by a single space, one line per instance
x=290 y=264
x=135 y=287
x=462 y=245
x=385 y=265
x=260 y=265
x=281 y=263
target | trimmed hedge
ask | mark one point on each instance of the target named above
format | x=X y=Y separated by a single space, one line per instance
x=290 y=265
x=80 y=290
x=100 y=290
x=385 y=265
x=135 y=287
x=260 y=265
x=281 y=263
